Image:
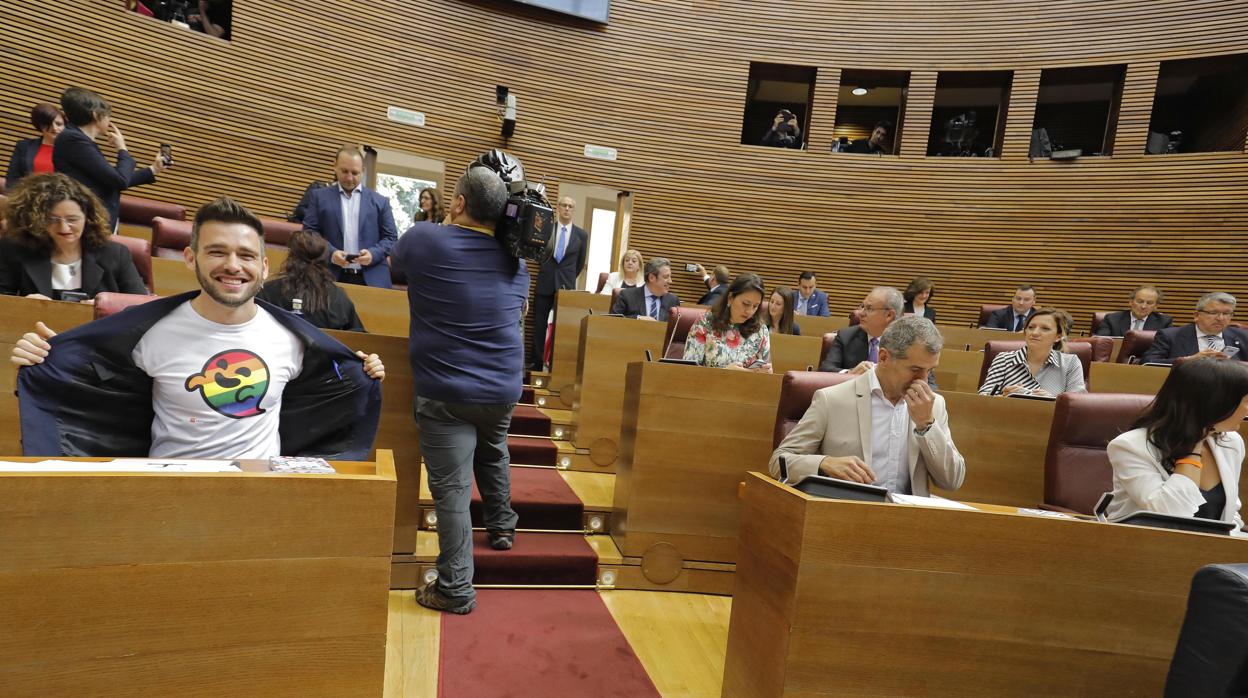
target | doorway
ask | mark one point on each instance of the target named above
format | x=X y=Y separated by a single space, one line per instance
x=401 y=177
x=604 y=214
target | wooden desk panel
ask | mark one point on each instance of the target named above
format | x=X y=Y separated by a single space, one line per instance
x=570 y=307
x=1126 y=378
x=792 y=353
x=1003 y=441
x=958 y=371
x=690 y=435
x=817 y=325
x=382 y=310
x=608 y=345
x=171 y=277
x=957 y=337
x=962 y=603
x=177 y=584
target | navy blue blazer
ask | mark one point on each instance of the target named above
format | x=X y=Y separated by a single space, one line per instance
x=1175 y=342
x=23 y=160
x=1003 y=318
x=108 y=268
x=377 y=229
x=76 y=154
x=89 y=399
x=816 y=305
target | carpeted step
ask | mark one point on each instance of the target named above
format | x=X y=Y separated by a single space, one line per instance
x=541 y=498
x=529 y=450
x=541 y=643
x=527 y=420
x=526 y=396
x=535 y=558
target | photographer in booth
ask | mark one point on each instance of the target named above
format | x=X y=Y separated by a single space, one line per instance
x=784 y=132
x=467 y=285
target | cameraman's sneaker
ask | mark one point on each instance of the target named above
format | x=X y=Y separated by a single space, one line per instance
x=501 y=540
x=429 y=597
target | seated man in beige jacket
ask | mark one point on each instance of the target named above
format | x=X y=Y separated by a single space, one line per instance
x=885 y=427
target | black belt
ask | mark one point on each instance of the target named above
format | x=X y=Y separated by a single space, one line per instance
x=353 y=272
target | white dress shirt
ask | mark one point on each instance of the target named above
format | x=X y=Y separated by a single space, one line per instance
x=890 y=440
x=1210 y=341
x=350 y=221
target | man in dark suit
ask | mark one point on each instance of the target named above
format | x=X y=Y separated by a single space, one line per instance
x=652 y=300
x=1143 y=314
x=559 y=271
x=713 y=293
x=356 y=222
x=1015 y=317
x=1210 y=334
x=856 y=348
x=810 y=300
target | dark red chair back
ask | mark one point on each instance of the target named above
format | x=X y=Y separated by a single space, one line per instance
x=136 y=211
x=141 y=253
x=615 y=296
x=109 y=303
x=1081 y=349
x=796 y=392
x=1076 y=467
x=1134 y=344
x=679 y=320
x=277 y=233
x=602 y=281
x=1102 y=347
x=170 y=237
x=855 y=316
x=828 y=339
x=986 y=310
x=1097 y=320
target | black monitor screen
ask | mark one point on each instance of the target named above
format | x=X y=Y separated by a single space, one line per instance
x=596 y=10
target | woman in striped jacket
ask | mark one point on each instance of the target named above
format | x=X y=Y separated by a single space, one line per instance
x=1040 y=368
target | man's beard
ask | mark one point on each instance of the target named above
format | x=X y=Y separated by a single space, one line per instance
x=209 y=287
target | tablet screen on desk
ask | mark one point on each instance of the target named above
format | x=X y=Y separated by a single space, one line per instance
x=1190 y=524
x=833 y=488
x=1025 y=396
x=683 y=362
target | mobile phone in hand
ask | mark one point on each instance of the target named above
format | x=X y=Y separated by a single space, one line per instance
x=166 y=153
x=691 y=267
x=1230 y=351
x=352 y=257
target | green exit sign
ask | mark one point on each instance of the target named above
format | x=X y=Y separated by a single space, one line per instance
x=601 y=152
x=405 y=116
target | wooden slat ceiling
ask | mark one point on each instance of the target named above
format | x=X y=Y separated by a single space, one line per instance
x=665 y=84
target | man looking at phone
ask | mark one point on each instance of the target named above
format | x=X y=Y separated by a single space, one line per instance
x=356 y=222
x=1210 y=334
x=905 y=422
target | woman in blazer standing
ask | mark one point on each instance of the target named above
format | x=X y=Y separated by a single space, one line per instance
x=34 y=155
x=1184 y=454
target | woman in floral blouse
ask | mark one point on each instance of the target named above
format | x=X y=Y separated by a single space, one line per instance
x=731 y=334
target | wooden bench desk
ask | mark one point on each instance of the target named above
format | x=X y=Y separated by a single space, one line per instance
x=1127 y=378
x=570 y=307
x=958 y=371
x=817 y=325
x=794 y=353
x=1003 y=441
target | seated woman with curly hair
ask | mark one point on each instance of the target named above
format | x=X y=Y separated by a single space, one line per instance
x=731 y=334
x=56 y=240
x=305 y=278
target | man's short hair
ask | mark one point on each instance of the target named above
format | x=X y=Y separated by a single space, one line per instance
x=1025 y=287
x=893 y=300
x=348 y=150
x=81 y=106
x=908 y=330
x=1148 y=287
x=721 y=274
x=484 y=194
x=224 y=210
x=1215 y=297
x=655 y=265
x=805 y=276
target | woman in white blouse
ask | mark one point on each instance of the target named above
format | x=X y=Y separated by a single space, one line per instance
x=1041 y=367
x=1183 y=455
x=629 y=274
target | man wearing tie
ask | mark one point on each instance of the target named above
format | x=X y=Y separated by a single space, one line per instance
x=559 y=271
x=810 y=300
x=651 y=300
x=1143 y=314
x=856 y=348
x=1015 y=317
x=1210 y=334
x=356 y=222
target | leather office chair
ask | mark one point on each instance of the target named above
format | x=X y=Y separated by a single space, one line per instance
x=855 y=316
x=986 y=310
x=1081 y=349
x=1102 y=347
x=1134 y=344
x=828 y=339
x=1097 y=320
x=679 y=320
x=1211 y=656
x=108 y=303
x=277 y=233
x=1076 y=467
x=602 y=281
x=141 y=253
x=170 y=237
x=615 y=296
x=136 y=211
x=796 y=392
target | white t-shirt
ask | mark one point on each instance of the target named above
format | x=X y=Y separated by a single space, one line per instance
x=217 y=389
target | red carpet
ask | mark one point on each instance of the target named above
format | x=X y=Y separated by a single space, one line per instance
x=535 y=559
x=541 y=498
x=526 y=396
x=530 y=450
x=527 y=420
x=540 y=643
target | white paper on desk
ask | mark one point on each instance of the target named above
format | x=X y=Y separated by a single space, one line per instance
x=123 y=465
x=920 y=501
x=1045 y=513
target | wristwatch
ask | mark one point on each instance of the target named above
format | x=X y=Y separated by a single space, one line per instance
x=922 y=431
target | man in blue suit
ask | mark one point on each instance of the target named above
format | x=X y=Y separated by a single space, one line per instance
x=810 y=301
x=356 y=222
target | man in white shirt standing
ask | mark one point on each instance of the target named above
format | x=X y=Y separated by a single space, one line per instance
x=886 y=427
x=356 y=222
x=559 y=271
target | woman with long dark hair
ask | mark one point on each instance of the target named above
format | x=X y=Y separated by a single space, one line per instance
x=1184 y=454
x=731 y=334
x=431 y=210
x=306 y=282
x=780 y=310
x=918 y=294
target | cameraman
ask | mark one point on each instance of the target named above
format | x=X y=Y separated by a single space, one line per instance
x=784 y=133
x=466 y=294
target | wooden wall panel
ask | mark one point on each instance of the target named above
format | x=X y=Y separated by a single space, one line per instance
x=664 y=83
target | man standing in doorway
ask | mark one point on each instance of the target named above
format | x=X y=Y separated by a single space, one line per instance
x=559 y=271
x=356 y=222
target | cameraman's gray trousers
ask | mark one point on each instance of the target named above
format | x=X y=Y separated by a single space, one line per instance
x=457 y=441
